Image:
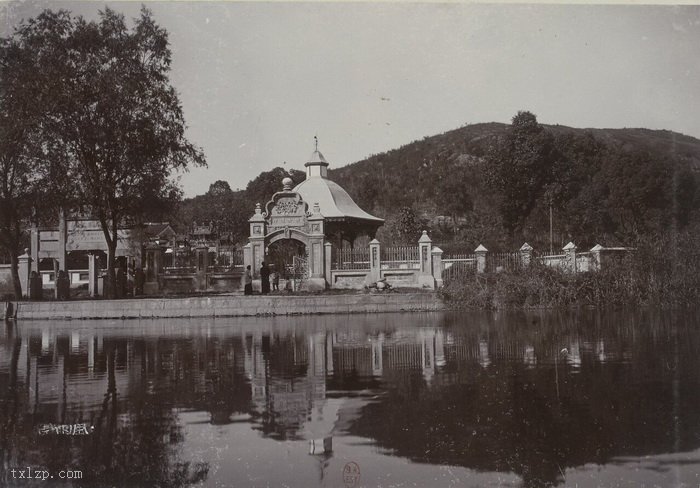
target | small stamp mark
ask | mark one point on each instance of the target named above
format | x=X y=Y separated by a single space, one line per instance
x=351 y=474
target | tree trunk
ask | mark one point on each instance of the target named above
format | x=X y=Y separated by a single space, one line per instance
x=110 y=284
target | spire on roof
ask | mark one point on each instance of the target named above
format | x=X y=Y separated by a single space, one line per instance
x=317 y=164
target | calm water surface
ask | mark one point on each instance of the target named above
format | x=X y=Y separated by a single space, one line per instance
x=515 y=400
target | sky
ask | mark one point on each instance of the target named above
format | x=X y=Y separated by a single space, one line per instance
x=258 y=81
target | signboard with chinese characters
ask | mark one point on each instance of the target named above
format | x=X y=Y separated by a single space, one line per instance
x=287 y=211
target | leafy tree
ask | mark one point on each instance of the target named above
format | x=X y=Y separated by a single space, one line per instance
x=451 y=194
x=404 y=227
x=27 y=183
x=108 y=112
x=519 y=166
x=219 y=188
x=267 y=183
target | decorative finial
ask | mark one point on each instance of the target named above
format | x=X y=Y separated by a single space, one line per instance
x=316 y=142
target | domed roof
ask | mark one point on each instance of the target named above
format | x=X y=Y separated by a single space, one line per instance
x=332 y=199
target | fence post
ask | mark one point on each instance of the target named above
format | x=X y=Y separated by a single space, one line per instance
x=92 y=275
x=375 y=261
x=526 y=255
x=570 y=250
x=481 y=252
x=247 y=258
x=595 y=262
x=425 y=278
x=328 y=250
x=24 y=268
x=436 y=255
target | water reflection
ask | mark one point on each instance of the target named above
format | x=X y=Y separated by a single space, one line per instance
x=535 y=399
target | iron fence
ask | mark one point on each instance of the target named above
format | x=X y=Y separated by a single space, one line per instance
x=459 y=263
x=400 y=257
x=346 y=258
x=503 y=261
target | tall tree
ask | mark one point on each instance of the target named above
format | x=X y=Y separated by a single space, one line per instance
x=519 y=166
x=20 y=153
x=110 y=111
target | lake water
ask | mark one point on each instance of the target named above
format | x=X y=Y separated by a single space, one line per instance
x=599 y=399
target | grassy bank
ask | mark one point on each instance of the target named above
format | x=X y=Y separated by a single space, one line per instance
x=645 y=277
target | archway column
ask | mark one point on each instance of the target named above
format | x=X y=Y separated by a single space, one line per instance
x=257 y=240
x=316 y=250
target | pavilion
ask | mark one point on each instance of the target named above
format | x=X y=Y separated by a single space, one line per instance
x=317 y=213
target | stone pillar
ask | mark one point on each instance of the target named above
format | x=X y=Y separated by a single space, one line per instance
x=425 y=277
x=257 y=242
x=202 y=253
x=328 y=252
x=570 y=250
x=596 y=255
x=481 y=252
x=247 y=257
x=375 y=261
x=24 y=268
x=526 y=255
x=436 y=255
x=317 y=260
x=317 y=279
x=153 y=265
x=92 y=275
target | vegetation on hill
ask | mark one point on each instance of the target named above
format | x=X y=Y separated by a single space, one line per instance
x=494 y=183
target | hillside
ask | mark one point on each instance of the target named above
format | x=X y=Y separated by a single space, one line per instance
x=428 y=175
x=410 y=165
x=606 y=185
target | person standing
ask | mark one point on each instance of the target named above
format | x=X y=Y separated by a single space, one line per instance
x=247 y=281
x=275 y=279
x=265 y=278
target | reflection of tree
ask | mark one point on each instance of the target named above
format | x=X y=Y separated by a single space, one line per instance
x=140 y=446
x=506 y=417
x=10 y=405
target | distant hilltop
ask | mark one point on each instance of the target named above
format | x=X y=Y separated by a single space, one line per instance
x=442 y=178
x=473 y=140
x=604 y=185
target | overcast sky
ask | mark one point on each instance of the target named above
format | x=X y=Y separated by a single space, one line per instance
x=259 y=80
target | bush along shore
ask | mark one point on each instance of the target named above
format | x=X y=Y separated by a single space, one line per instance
x=653 y=275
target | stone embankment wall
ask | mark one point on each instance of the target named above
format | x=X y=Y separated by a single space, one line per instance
x=227 y=306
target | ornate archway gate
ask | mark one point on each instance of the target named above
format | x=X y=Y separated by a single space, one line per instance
x=287 y=216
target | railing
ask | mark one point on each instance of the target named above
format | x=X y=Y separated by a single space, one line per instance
x=400 y=257
x=224 y=269
x=459 y=263
x=555 y=260
x=228 y=258
x=502 y=261
x=173 y=270
x=343 y=259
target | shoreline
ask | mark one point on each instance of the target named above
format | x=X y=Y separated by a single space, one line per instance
x=228 y=306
